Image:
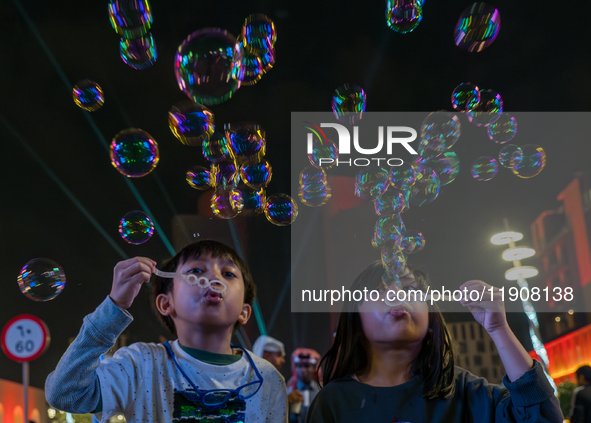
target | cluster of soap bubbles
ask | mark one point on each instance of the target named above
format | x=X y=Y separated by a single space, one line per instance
x=477 y=27
x=211 y=64
x=484 y=108
x=41 y=279
x=132 y=20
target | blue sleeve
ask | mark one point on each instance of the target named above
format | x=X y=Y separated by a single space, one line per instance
x=74 y=385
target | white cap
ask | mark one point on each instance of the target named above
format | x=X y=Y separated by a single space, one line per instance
x=267 y=343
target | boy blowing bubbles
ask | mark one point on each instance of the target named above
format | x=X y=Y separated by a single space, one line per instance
x=199 y=375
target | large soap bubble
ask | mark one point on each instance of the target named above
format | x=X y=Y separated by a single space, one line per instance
x=208 y=66
x=281 y=210
x=487 y=110
x=191 y=122
x=41 y=279
x=404 y=15
x=138 y=53
x=252 y=65
x=226 y=204
x=503 y=129
x=134 y=153
x=532 y=162
x=484 y=168
x=510 y=155
x=439 y=131
x=477 y=27
x=130 y=18
x=245 y=139
x=465 y=96
x=259 y=33
x=88 y=95
x=348 y=103
x=136 y=227
x=256 y=174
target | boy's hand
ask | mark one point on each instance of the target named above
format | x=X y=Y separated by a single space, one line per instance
x=128 y=277
x=490 y=312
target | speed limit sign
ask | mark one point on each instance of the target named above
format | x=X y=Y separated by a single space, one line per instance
x=24 y=338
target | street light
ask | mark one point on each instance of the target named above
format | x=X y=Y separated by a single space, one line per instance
x=519 y=274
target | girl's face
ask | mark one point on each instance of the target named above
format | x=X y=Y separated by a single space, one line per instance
x=401 y=327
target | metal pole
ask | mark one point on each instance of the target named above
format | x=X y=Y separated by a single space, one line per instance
x=26 y=391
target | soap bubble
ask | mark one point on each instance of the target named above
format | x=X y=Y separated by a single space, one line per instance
x=426 y=187
x=404 y=15
x=198 y=177
x=225 y=175
x=477 y=27
x=312 y=176
x=281 y=210
x=134 y=153
x=386 y=232
x=532 y=163
x=326 y=151
x=267 y=59
x=465 y=97
x=215 y=149
x=252 y=66
x=412 y=242
x=439 y=131
x=348 y=103
x=259 y=33
x=41 y=279
x=208 y=66
x=393 y=261
x=488 y=109
x=391 y=202
x=253 y=199
x=402 y=177
x=315 y=195
x=484 y=168
x=130 y=18
x=191 y=122
x=371 y=182
x=88 y=95
x=510 y=155
x=447 y=166
x=245 y=139
x=226 y=204
x=136 y=227
x=256 y=174
x=138 y=53
x=503 y=129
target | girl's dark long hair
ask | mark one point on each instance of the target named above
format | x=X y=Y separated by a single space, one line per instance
x=348 y=354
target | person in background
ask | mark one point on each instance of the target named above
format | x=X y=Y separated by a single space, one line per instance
x=302 y=386
x=270 y=349
x=581 y=401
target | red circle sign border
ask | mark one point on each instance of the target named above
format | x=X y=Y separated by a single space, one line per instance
x=46 y=338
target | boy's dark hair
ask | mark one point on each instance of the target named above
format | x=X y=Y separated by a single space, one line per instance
x=194 y=250
x=585 y=371
x=348 y=354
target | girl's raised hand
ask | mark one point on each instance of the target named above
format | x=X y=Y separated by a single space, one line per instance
x=128 y=277
x=488 y=309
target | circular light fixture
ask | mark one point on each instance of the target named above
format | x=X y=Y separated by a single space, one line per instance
x=518 y=253
x=506 y=238
x=521 y=272
x=571 y=312
x=557 y=318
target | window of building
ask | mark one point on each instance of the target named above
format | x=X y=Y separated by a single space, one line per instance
x=478 y=360
x=463 y=332
x=467 y=361
x=495 y=373
x=462 y=347
x=480 y=346
x=472 y=336
x=484 y=372
x=455 y=331
x=496 y=360
x=481 y=331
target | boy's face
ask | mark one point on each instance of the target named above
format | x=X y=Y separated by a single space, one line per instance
x=192 y=307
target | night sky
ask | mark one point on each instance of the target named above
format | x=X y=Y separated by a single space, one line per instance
x=59 y=187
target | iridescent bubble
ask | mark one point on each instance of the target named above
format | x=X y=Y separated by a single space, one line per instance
x=88 y=95
x=484 y=168
x=134 y=153
x=371 y=182
x=510 y=155
x=41 y=279
x=412 y=242
x=465 y=97
x=245 y=139
x=215 y=149
x=348 y=103
x=252 y=66
x=226 y=204
x=426 y=187
x=503 y=129
x=191 y=122
x=391 y=202
x=130 y=18
x=532 y=163
x=404 y=15
x=488 y=109
x=393 y=260
x=225 y=175
x=322 y=153
x=138 y=53
x=477 y=27
x=253 y=199
x=136 y=227
x=315 y=195
x=267 y=59
x=311 y=175
x=208 y=66
x=402 y=177
x=198 y=177
x=256 y=174
x=447 y=166
x=259 y=33
x=397 y=219
x=386 y=232
x=439 y=131
x=281 y=210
